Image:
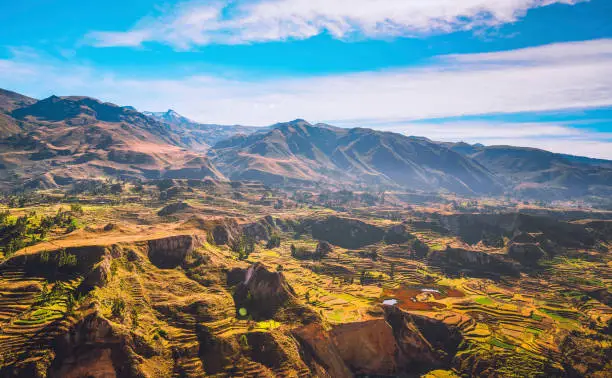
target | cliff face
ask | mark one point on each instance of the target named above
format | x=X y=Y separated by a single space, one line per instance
x=170 y=252
x=92 y=348
x=262 y=293
x=367 y=348
x=526 y=249
x=492 y=228
x=396 y=345
x=455 y=260
x=71 y=261
x=346 y=232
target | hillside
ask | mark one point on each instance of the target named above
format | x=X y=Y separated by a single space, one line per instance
x=300 y=151
x=62 y=139
x=538 y=173
x=10 y=101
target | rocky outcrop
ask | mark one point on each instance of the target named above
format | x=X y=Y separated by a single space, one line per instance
x=98 y=276
x=526 y=249
x=258 y=231
x=173 y=208
x=398 y=234
x=223 y=232
x=400 y=344
x=367 y=348
x=170 y=252
x=424 y=343
x=262 y=293
x=321 y=352
x=492 y=228
x=92 y=348
x=69 y=261
x=346 y=232
x=455 y=260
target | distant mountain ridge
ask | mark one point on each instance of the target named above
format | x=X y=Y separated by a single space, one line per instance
x=538 y=173
x=305 y=152
x=57 y=140
x=197 y=135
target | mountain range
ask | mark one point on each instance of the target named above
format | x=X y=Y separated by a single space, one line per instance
x=58 y=140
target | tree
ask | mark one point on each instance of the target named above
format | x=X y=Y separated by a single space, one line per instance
x=274 y=242
x=76 y=208
x=244 y=246
x=4 y=216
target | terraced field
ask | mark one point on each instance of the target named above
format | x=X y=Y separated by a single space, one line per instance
x=172 y=296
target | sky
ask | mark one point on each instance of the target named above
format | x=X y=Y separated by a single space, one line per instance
x=535 y=73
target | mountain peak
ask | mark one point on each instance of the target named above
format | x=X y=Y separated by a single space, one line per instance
x=170 y=116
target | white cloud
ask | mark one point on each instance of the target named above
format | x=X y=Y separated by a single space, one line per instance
x=582 y=51
x=449 y=87
x=234 y=22
x=548 y=136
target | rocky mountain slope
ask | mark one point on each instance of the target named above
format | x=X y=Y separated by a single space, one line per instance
x=61 y=139
x=538 y=173
x=303 y=152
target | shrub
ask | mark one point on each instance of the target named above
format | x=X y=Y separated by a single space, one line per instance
x=76 y=208
x=72 y=225
x=274 y=242
x=118 y=307
x=244 y=342
x=134 y=316
x=66 y=259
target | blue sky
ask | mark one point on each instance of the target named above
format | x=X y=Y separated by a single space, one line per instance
x=523 y=72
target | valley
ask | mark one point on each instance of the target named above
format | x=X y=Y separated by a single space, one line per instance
x=147 y=245
x=235 y=279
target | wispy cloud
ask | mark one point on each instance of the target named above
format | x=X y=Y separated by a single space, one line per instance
x=199 y=23
x=558 y=52
x=555 y=137
x=451 y=86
